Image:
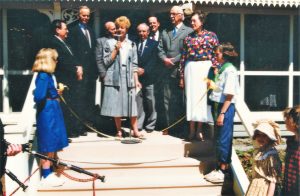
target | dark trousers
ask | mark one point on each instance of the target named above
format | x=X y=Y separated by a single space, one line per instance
x=173 y=102
x=146 y=108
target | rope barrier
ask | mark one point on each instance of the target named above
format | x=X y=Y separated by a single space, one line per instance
x=116 y=138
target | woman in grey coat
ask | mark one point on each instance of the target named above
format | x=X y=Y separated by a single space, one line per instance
x=121 y=79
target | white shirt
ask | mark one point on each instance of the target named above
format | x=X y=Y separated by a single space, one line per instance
x=228 y=84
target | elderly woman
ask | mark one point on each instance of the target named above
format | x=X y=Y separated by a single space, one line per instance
x=121 y=79
x=196 y=60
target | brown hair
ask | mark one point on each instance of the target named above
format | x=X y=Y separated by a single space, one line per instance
x=123 y=21
x=201 y=15
x=228 y=51
x=293 y=116
x=45 y=60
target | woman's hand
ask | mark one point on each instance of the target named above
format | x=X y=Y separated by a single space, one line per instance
x=181 y=83
x=118 y=45
x=138 y=85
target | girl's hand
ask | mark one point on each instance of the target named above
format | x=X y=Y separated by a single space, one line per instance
x=220 y=120
x=60 y=92
x=13 y=149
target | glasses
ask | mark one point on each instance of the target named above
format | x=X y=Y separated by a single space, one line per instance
x=174 y=14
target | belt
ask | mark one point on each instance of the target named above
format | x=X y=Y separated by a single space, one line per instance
x=57 y=99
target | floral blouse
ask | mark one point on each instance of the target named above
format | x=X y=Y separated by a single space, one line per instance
x=198 y=47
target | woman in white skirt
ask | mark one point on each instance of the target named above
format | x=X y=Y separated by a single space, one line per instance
x=196 y=60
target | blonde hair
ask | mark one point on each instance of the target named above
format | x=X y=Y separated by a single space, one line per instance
x=273 y=124
x=45 y=60
x=123 y=21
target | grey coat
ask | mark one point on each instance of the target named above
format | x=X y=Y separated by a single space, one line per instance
x=112 y=77
x=170 y=47
x=99 y=56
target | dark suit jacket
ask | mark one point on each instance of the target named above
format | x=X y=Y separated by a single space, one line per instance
x=84 y=53
x=170 y=46
x=65 y=71
x=149 y=62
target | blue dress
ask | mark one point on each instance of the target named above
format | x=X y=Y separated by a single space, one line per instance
x=51 y=130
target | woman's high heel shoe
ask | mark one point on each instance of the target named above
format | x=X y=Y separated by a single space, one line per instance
x=119 y=134
x=199 y=135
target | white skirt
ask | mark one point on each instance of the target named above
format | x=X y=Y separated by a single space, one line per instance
x=195 y=89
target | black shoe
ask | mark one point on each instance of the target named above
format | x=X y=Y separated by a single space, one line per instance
x=83 y=133
x=149 y=130
x=69 y=140
x=99 y=135
x=73 y=135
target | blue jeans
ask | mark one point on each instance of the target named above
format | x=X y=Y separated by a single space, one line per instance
x=224 y=134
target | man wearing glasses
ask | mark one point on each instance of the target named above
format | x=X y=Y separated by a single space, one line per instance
x=170 y=45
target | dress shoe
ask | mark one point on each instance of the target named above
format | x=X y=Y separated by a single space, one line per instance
x=149 y=130
x=73 y=135
x=83 y=133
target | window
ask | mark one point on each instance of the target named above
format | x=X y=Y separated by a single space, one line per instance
x=296 y=43
x=26 y=28
x=266 y=93
x=227 y=28
x=266 y=43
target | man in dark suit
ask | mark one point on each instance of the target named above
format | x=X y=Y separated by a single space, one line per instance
x=68 y=71
x=147 y=67
x=154 y=25
x=83 y=41
x=169 y=48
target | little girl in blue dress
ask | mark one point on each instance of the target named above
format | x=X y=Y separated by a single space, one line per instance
x=51 y=131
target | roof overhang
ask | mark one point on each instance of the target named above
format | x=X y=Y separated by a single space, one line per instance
x=264 y=3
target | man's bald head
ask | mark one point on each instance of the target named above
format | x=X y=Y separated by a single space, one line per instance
x=110 y=28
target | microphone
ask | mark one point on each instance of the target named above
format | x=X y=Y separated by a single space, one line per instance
x=118 y=37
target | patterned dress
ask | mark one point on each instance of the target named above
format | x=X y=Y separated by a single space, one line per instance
x=266 y=169
x=197 y=57
x=51 y=131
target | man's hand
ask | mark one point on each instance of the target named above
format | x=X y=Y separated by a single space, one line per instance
x=169 y=62
x=181 y=83
x=140 y=71
x=13 y=149
x=79 y=73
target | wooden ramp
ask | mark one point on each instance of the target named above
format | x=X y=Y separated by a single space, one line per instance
x=160 y=165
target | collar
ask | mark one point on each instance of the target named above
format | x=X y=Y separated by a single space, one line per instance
x=82 y=26
x=179 y=25
x=59 y=38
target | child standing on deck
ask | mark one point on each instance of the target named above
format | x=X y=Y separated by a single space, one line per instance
x=267 y=165
x=291 y=181
x=223 y=99
x=51 y=131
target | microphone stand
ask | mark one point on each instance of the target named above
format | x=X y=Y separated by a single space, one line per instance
x=27 y=148
x=130 y=140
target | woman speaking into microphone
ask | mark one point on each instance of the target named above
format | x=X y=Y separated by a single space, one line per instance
x=121 y=80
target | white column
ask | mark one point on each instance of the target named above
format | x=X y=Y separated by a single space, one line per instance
x=5 y=88
x=97 y=33
x=242 y=56
x=291 y=62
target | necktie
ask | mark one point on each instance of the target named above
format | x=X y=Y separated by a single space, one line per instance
x=140 y=51
x=174 y=32
x=87 y=35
